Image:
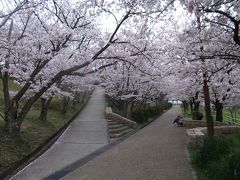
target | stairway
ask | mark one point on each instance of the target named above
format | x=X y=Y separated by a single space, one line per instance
x=117 y=129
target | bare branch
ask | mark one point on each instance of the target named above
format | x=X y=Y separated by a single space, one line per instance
x=8 y=16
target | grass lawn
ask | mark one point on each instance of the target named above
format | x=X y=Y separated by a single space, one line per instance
x=33 y=131
x=226 y=114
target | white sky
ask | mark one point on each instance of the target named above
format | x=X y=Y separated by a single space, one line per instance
x=108 y=23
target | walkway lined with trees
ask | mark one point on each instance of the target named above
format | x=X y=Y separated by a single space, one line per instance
x=182 y=49
x=87 y=133
x=158 y=151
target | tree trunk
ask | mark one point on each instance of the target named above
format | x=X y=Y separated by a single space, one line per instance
x=196 y=106
x=125 y=109
x=45 y=103
x=75 y=101
x=191 y=107
x=219 y=111
x=65 y=104
x=132 y=106
x=185 y=106
x=82 y=98
x=13 y=123
x=13 y=126
x=74 y=104
x=233 y=114
x=210 y=125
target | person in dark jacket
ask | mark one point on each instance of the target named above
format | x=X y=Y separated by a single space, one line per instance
x=178 y=121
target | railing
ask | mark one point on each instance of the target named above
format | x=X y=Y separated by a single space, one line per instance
x=113 y=116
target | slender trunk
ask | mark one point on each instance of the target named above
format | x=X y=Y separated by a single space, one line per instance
x=75 y=101
x=219 y=111
x=65 y=104
x=191 y=107
x=85 y=95
x=125 y=109
x=185 y=106
x=82 y=98
x=132 y=106
x=141 y=105
x=43 y=109
x=235 y=113
x=45 y=103
x=231 y=113
x=78 y=98
x=210 y=125
x=144 y=105
x=74 y=104
x=197 y=106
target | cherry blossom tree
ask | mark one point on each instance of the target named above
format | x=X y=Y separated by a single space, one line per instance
x=212 y=55
x=53 y=39
x=222 y=13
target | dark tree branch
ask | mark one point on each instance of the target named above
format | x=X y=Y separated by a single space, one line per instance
x=93 y=71
x=24 y=29
x=8 y=16
x=236 y=22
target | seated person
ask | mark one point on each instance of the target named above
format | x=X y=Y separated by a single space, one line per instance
x=178 y=121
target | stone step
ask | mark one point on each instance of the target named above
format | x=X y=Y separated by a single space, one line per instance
x=114 y=136
x=118 y=130
x=113 y=139
x=109 y=120
x=117 y=135
x=115 y=126
x=113 y=123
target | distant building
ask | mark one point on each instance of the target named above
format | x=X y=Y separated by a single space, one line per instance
x=177 y=102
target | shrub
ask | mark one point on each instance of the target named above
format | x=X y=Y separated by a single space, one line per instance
x=212 y=150
x=139 y=116
x=143 y=115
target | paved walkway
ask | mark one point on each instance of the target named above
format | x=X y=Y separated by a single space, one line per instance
x=86 y=134
x=157 y=152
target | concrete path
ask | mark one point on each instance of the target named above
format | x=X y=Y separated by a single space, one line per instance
x=157 y=152
x=86 y=134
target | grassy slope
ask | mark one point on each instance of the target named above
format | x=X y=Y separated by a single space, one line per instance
x=33 y=131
